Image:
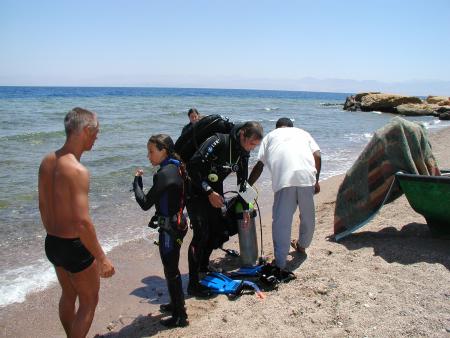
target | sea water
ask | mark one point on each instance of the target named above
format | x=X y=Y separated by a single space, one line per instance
x=31 y=125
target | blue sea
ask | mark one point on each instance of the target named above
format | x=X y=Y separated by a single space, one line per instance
x=31 y=125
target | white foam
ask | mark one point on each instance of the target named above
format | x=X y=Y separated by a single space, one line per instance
x=110 y=243
x=358 y=138
x=437 y=124
x=16 y=284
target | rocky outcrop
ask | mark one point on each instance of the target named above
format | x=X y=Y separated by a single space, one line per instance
x=444 y=116
x=385 y=102
x=443 y=109
x=398 y=104
x=444 y=112
x=436 y=99
x=353 y=102
x=417 y=109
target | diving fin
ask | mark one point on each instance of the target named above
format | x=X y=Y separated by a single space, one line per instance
x=248 y=271
x=220 y=284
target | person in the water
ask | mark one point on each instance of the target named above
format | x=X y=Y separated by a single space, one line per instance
x=194 y=116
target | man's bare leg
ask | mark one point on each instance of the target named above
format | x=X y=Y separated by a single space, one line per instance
x=87 y=285
x=67 y=301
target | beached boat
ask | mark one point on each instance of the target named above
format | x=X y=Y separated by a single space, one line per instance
x=430 y=197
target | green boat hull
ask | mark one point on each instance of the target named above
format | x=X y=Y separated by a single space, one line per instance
x=430 y=197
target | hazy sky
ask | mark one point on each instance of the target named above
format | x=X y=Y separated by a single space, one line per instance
x=316 y=44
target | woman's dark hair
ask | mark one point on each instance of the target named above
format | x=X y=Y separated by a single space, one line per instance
x=193 y=111
x=164 y=141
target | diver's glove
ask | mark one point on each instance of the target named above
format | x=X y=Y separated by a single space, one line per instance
x=138 y=182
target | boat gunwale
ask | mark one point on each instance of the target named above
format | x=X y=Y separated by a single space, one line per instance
x=423 y=178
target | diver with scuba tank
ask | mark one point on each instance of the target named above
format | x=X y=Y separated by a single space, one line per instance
x=216 y=158
x=167 y=194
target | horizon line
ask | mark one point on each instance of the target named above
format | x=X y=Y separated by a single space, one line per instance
x=172 y=87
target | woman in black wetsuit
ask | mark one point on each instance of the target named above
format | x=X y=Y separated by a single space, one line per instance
x=167 y=194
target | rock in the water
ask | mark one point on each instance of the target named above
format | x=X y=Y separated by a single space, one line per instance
x=359 y=96
x=399 y=104
x=444 y=103
x=443 y=109
x=386 y=102
x=436 y=99
x=353 y=102
x=416 y=109
x=444 y=116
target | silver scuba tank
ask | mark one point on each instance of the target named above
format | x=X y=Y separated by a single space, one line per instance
x=248 y=244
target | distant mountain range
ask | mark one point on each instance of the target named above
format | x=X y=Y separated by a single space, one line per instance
x=411 y=87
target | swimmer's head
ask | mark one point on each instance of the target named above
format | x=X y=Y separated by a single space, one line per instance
x=193 y=115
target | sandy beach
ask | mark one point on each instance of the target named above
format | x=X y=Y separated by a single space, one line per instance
x=389 y=279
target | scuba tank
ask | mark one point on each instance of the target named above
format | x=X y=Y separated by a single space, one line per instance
x=248 y=244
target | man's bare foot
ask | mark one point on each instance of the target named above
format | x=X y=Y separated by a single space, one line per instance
x=298 y=248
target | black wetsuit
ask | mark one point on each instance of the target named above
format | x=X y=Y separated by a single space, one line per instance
x=186 y=128
x=166 y=194
x=217 y=157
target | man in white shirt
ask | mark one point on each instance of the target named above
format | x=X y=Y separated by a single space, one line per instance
x=293 y=159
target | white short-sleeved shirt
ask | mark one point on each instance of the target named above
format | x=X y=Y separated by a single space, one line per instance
x=288 y=154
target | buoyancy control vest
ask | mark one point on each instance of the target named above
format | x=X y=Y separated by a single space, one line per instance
x=197 y=133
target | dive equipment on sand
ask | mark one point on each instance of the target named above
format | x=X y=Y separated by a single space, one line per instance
x=248 y=244
x=250 y=271
x=219 y=283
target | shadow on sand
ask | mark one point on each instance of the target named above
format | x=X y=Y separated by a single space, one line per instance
x=142 y=326
x=155 y=292
x=412 y=244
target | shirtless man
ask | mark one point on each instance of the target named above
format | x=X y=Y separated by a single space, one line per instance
x=71 y=244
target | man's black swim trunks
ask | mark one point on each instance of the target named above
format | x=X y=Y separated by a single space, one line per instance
x=69 y=253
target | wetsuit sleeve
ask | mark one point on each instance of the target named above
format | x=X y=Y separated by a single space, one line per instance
x=145 y=201
x=162 y=180
x=138 y=181
x=200 y=163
